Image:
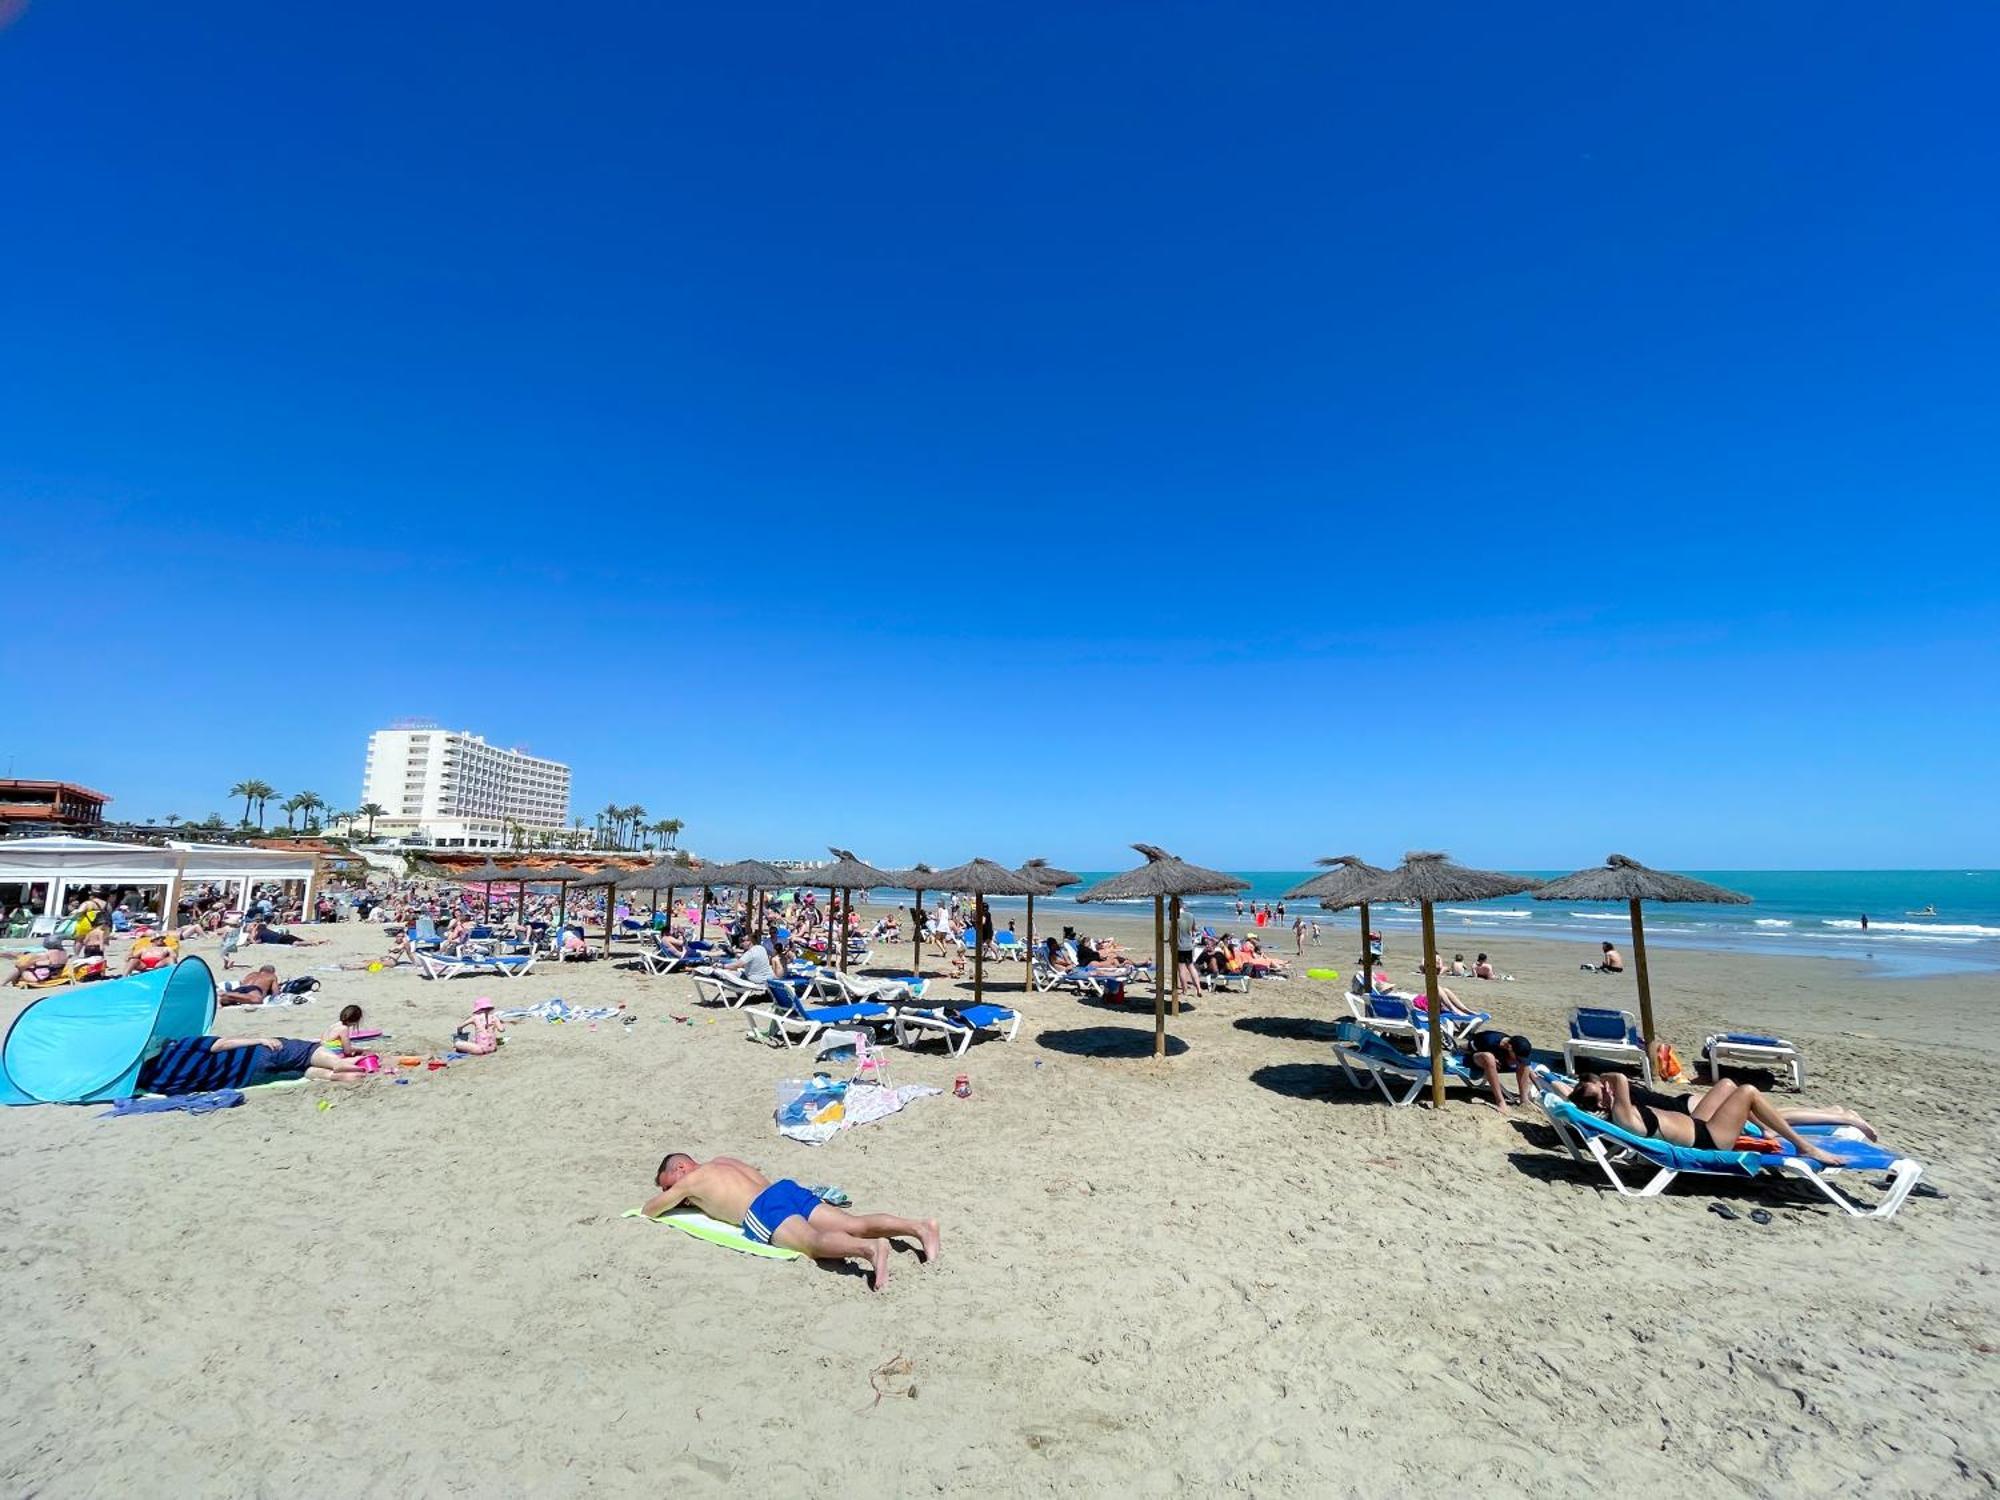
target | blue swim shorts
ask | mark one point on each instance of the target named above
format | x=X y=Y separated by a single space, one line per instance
x=777 y=1203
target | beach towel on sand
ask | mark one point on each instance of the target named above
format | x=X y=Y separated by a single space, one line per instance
x=193 y=1104
x=865 y=1104
x=700 y=1226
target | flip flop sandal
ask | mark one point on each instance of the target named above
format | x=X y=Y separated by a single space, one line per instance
x=1723 y=1211
x=1760 y=1216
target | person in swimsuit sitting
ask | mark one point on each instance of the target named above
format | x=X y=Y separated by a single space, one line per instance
x=1609 y=962
x=149 y=953
x=1486 y=1052
x=1707 y=1122
x=44 y=964
x=253 y=988
x=784 y=1214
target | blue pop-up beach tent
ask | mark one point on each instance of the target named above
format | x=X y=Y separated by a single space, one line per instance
x=84 y=1044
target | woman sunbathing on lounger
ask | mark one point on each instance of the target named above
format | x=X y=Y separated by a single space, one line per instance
x=1707 y=1122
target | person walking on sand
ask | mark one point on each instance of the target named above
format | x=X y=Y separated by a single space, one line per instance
x=784 y=1214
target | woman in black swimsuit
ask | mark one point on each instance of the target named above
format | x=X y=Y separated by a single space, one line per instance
x=1707 y=1122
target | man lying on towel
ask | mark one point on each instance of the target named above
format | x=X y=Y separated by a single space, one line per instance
x=785 y=1214
x=197 y=1064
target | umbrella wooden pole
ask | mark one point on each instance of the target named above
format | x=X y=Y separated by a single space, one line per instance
x=978 y=949
x=1367 y=953
x=1159 y=981
x=917 y=935
x=1436 y=1007
x=702 y=935
x=1639 y=968
x=1174 y=917
x=1028 y=974
x=562 y=915
x=610 y=915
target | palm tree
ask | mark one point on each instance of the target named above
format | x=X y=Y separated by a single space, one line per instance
x=247 y=790
x=290 y=806
x=671 y=827
x=264 y=792
x=607 y=822
x=172 y=819
x=635 y=817
x=371 y=811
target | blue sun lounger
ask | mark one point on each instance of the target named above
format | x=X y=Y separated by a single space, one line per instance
x=1608 y=1036
x=1367 y=1058
x=957 y=1025
x=790 y=1020
x=1589 y=1138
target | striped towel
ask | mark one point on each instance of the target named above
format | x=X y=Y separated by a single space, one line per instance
x=186 y=1066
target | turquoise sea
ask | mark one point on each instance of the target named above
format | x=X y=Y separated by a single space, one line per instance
x=1919 y=921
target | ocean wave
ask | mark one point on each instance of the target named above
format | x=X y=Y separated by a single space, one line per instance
x=1473 y=911
x=1773 y=922
x=1600 y=916
x=1922 y=929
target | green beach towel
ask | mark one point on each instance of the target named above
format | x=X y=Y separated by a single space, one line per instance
x=731 y=1237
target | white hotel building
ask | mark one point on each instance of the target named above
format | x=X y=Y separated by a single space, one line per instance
x=452 y=790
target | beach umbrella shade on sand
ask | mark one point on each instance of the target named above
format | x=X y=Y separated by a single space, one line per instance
x=1623 y=879
x=1426 y=879
x=915 y=880
x=1050 y=879
x=1342 y=875
x=1166 y=879
x=979 y=879
x=847 y=875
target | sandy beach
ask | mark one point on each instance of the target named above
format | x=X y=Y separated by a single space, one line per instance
x=1224 y=1272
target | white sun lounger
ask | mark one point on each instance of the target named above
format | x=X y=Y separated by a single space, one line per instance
x=1736 y=1049
x=450 y=966
x=1589 y=1139
x=719 y=987
x=914 y=1026
x=1608 y=1036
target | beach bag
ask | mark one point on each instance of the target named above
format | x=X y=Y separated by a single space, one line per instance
x=305 y=984
x=1666 y=1064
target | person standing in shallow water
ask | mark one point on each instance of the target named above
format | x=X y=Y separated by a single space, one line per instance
x=1864 y=921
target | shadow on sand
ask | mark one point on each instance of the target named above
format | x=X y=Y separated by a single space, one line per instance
x=1287 y=1028
x=1108 y=1041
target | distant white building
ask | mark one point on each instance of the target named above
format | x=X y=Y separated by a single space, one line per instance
x=451 y=790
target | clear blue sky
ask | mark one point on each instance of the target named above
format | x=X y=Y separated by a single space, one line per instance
x=1267 y=430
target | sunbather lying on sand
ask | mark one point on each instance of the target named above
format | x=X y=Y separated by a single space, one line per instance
x=42 y=965
x=253 y=988
x=785 y=1214
x=1707 y=1122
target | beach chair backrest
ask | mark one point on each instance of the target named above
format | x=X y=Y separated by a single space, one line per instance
x=786 y=997
x=1388 y=1008
x=1593 y=1024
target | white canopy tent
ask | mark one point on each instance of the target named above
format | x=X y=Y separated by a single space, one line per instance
x=60 y=864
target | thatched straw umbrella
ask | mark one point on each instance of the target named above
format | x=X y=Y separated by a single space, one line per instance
x=1051 y=879
x=562 y=877
x=847 y=875
x=982 y=878
x=668 y=874
x=485 y=875
x=916 y=880
x=1427 y=879
x=607 y=881
x=1163 y=877
x=1344 y=873
x=751 y=874
x=1622 y=879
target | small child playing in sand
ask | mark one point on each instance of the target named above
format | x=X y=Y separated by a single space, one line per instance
x=341 y=1038
x=479 y=1033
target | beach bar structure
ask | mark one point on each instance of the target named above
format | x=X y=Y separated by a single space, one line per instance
x=46 y=874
